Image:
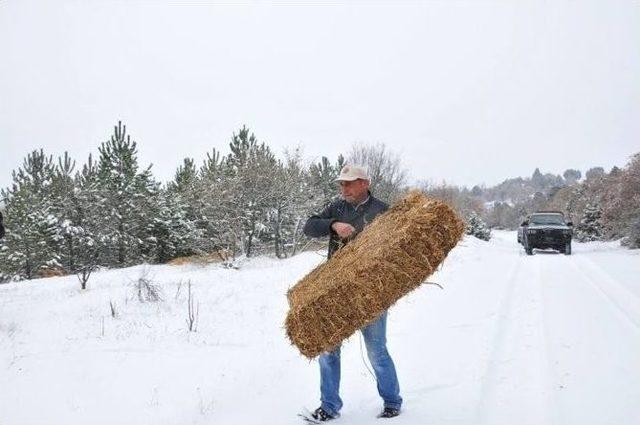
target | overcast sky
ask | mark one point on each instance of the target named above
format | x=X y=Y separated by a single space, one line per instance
x=469 y=92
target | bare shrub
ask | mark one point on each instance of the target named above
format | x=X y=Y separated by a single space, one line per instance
x=147 y=289
x=84 y=273
x=178 y=291
x=114 y=311
x=193 y=310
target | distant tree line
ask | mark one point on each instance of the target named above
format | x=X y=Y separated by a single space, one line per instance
x=602 y=205
x=112 y=212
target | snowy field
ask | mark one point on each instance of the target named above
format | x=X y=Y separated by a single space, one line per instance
x=511 y=339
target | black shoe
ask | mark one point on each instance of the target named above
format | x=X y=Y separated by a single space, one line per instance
x=389 y=412
x=322 y=415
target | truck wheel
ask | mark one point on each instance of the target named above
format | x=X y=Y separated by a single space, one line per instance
x=567 y=249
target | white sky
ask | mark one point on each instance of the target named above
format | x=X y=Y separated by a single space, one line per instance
x=469 y=92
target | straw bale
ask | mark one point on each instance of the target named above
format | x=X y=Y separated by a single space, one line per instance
x=391 y=257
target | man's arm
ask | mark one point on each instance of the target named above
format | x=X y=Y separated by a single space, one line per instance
x=319 y=225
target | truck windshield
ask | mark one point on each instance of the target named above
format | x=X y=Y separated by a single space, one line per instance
x=547 y=219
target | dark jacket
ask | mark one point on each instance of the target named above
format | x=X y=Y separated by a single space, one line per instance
x=1 y=227
x=319 y=225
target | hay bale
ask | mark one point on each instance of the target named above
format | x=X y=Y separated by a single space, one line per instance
x=390 y=258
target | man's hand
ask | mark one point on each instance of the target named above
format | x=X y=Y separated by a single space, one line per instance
x=344 y=230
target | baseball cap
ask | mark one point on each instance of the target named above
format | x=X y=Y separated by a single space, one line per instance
x=351 y=172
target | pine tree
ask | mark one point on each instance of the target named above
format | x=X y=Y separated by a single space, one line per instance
x=477 y=227
x=537 y=179
x=571 y=176
x=90 y=252
x=251 y=166
x=32 y=243
x=213 y=207
x=171 y=233
x=590 y=226
x=184 y=200
x=322 y=180
x=186 y=177
x=595 y=173
x=66 y=209
x=126 y=197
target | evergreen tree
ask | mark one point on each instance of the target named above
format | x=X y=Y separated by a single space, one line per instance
x=89 y=252
x=615 y=171
x=172 y=234
x=32 y=242
x=126 y=197
x=477 y=227
x=590 y=226
x=186 y=177
x=214 y=207
x=537 y=179
x=571 y=176
x=66 y=209
x=594 y=173
x=322 y=179
x=251 y=168
x=184 y=199
x=476 y=191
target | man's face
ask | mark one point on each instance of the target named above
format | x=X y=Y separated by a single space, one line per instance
x=355 y=191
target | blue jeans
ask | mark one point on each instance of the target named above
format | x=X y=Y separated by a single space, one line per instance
x=375 y=339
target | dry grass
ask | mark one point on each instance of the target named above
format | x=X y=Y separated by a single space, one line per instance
x=390 y=258
x=52 y=272
x=216 y=257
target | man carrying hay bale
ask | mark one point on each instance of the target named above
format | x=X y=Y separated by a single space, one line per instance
x=342 y=221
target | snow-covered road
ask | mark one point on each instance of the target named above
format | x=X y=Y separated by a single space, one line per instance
x=567 y=343
x=511 y=339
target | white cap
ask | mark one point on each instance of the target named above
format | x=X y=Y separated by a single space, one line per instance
x=350 y=173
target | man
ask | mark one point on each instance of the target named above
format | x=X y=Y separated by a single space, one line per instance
x=342 y=220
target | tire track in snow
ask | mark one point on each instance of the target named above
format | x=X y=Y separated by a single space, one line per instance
x=593 y=382
x=515 y=386
x=624 y=302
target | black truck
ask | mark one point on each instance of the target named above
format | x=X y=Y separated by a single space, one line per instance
x=544 y=230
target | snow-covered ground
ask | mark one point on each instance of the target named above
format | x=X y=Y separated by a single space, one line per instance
x=511 y=339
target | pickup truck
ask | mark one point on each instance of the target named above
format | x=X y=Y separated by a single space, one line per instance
x=545 y=230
